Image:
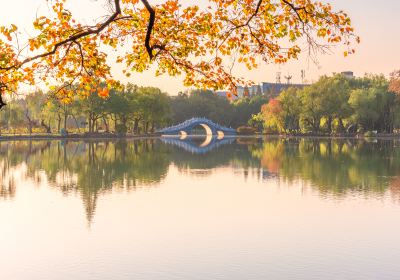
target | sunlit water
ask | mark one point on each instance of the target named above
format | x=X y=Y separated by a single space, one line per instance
x=238 y=209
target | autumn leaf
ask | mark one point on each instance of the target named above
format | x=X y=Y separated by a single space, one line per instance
x=203 y=44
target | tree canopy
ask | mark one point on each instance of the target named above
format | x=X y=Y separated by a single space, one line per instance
x=203 y=44
x=335 y=105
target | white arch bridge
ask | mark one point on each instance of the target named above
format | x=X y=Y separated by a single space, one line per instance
x=184 y=129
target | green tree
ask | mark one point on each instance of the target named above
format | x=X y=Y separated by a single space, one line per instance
x=312 y=108
x=119 y=106
x=335 y=92
x=290 y=103
x=155 y=106
x=202 y=103
x=12 y=117
x=244 y=108
x=93 y=107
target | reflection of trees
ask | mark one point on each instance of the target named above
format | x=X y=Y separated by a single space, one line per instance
x=94 y=168
x=100 y=167
x=332 y=166
x=7 y=183
x=12 y=169
x=395 y=188
x=91 y=168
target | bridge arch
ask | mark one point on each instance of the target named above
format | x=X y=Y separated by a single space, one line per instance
x=207 y=129
x=183 y=135
x=185 y=128
x=220 y=134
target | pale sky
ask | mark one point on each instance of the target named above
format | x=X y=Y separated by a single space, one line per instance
x=377 y=22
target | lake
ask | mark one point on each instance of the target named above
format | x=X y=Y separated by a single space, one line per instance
x=237 y=208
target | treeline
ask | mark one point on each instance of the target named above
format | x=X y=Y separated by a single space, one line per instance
x=132 y=109
x=335 y=105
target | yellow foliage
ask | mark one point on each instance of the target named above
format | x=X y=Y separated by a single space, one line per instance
x=180 y=42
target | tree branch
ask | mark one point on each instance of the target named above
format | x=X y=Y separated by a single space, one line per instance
x=247 y=23
x=295 y=9
x=150 y=27
x=150 y=48
x=2 y=103
x=73 y=38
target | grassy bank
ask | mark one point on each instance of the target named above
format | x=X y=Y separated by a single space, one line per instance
x=44 y=136
x=337 y=136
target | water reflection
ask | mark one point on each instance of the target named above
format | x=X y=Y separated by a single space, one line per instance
x=87 y=168
x=333 y=166
x=198 y=145
x=94 y=168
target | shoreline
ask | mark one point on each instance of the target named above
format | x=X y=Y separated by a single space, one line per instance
x=22 y=137
x=77 y=137
x=355 y=137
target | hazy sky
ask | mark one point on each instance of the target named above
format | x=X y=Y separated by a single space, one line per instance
x=377 y=22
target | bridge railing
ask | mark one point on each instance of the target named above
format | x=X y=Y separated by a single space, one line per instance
x=193 y=121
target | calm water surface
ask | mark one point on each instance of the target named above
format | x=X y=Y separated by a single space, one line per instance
x=168 y=209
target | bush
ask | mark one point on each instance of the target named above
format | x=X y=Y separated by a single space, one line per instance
x=370 y=134
x=245 y=130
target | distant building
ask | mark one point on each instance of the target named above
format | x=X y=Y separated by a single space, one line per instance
x=348 y=74
x=271 y=89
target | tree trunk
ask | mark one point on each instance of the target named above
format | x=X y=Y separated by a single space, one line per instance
x=136 y=126
x=106 y=124
x=29 y=122
x=115 y=124
x=90 y=123
x=47 y=127
x=76 y=123
x=316 y=125
x=329 y=122
x=58 y=123
x=65 y=121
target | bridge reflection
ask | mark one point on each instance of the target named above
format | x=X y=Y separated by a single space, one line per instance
x=191 y=143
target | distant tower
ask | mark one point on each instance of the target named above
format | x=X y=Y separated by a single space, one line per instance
x=259 y=91
x=303 y=76
x=288 y=79
x=246 y=91
x=278 y=77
